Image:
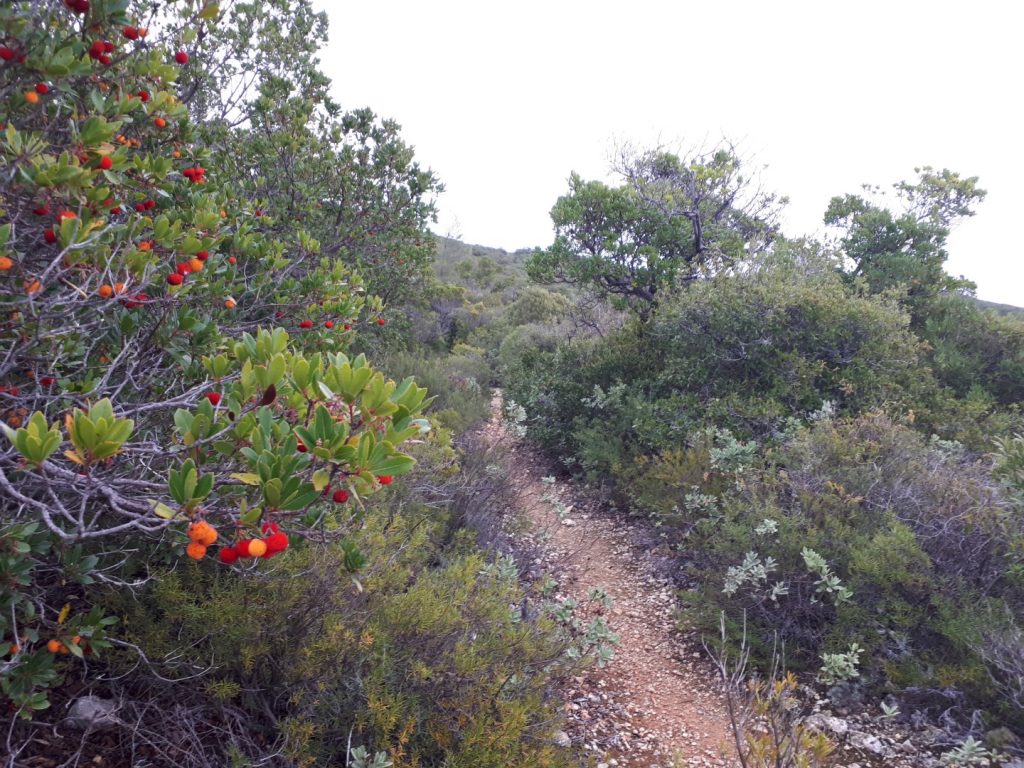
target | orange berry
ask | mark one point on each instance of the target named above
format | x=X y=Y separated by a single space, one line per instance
x=64 y=650
x=54 y=646
x=230 y=303
x=31 y=97
x=143 y=31
x=106 y=291
x=33 y=286
x=119 y=287
x=196 y=551
x=14 y=649
x=201 y=532
x=195 y=265
x=257 y=548
x=159 y=122
x=5 y=263
x=76 y=640
x=176 y=154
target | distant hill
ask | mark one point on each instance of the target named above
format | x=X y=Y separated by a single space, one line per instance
x=479 y=265
x=1002 y=309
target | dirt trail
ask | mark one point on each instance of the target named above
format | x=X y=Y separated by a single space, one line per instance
x=656 y=704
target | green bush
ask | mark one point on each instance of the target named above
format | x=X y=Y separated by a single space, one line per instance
x=739 y=352
x=913 y=533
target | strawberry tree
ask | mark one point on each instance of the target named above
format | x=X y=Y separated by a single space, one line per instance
x=144 y=385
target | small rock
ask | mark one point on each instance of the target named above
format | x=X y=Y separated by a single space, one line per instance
x=92 y=712
x=561 y=739
x=824 y=723
x=866 y=742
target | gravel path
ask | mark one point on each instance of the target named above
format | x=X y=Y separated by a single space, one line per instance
x=656 y=704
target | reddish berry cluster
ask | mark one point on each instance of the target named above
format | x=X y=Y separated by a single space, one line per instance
x=100 y=50
x=145 y=205
x=78 y=6
x=196 y=175
x=274 y=542
x=136 y=301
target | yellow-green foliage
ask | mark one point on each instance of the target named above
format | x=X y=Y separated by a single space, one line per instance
x=429 y=659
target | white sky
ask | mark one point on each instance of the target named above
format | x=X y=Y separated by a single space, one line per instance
x=503 y=101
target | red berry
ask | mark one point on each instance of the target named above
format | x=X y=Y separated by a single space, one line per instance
x=242 y=547
x=6 y=53
x=65 y=215
x=47 y=381
x=203 y=255
x=231 y=259
x=276 y=542
x=42 y=210
x=50 y=236
x=340 y=497
x=132 y=33
x=227 y=555
x=381 y=321
x=150 y=204
x=301 y=447
x=181 y=57
x=106 y=163
x=105 y=60
x=144 y=95
x=269 y=527
x=182 y=268
x=213 y=397
x=385 y=479
x=116 y=209
x=108 y=47
x=306 y=324
x=175 y=279
x=329 y=324
x=97 y=49
x=348 y=327
x=42 y=88
x=82 y=6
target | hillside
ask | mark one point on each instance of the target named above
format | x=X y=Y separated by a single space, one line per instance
x=286 y=480
x=1002 y=309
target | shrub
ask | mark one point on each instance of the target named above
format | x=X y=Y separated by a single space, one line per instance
x=143 y=388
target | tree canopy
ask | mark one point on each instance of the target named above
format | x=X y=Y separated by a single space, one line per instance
x=671 y=221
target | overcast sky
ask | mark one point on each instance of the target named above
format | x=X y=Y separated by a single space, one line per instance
x=504 y=101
